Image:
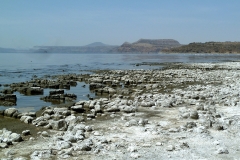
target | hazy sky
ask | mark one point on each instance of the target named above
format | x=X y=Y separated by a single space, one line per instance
x=27 y=23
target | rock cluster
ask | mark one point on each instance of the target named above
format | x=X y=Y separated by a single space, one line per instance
x=8 y=138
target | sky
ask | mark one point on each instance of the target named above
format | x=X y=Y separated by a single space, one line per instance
x=28 y=23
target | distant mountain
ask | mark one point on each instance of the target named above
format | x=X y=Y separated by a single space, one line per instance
x=148 y=45
x=7 y=50
x=207 y=47
x=96 y=44
x=96 y=47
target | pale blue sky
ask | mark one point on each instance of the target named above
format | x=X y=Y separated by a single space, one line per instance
x=27 y=23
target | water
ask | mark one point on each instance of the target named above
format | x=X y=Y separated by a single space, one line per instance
x=20 y=67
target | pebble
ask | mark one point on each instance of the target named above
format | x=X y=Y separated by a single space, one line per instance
x=170 y=148
x=222 y=150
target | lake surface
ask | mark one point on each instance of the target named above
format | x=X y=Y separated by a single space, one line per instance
x=20 y=67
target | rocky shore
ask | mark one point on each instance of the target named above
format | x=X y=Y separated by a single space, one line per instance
x=184 y=111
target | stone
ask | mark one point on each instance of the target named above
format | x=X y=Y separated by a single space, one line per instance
x=26 y=132
x=78 y=108
x=10 y=111
x=170 y=148
x=83 y=147
x=63 y=145
x=3 y=145
x=132 y=149
x=14 y=137
x=44 y=154
x=135 y=155
x=222 y=150
x=45 y=134
x=194 y=115
x=26 y=119
x=59 y=125
x=127 y=109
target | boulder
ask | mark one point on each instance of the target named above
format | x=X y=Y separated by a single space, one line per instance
x=26 y=119
x=14 y=137
x=59 y=91
x=59 y=125
x=78 y=108
x=10 y=111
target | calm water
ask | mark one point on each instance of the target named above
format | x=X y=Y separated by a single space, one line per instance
x=19 y=67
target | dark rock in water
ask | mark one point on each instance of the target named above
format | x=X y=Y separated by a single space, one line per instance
x=7 y=103
x=7 y=91
x=93 y=86
x=59 y=91
x=35 y=91
x=54 y=85
x=8 y=97
x=69 y=95
x=58 y=97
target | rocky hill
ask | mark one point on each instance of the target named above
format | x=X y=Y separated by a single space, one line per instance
x=148 y=45
x=207 y=47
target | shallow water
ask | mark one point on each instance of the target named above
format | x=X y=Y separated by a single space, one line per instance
x=20 y=67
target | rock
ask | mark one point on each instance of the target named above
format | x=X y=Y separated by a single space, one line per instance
x=82 y=147
x=170 y=148
x=142 y=122
x=194 y=115
x=26 y=119
x=78 y=108
x=222 y=150
x=185 y=115
x=127 y=109
x=44 y=154
x=26 y=132
x=59 y=125
x=3 y=145
x=132 y=149
x=113 y=109
x=8 y=97
x=58 y=91
x=173 y=130
x=190 y=124
x=135 y=155
x=10 y=111
x=34 y=91
x=63 y=145
x=45 y=134
x=159 y=144
x=14 y=137
x=79 y=135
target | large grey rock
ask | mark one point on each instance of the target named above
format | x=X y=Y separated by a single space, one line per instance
x=26 y=119
x=10 y=111
x=14 y=137
x=58 y=125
